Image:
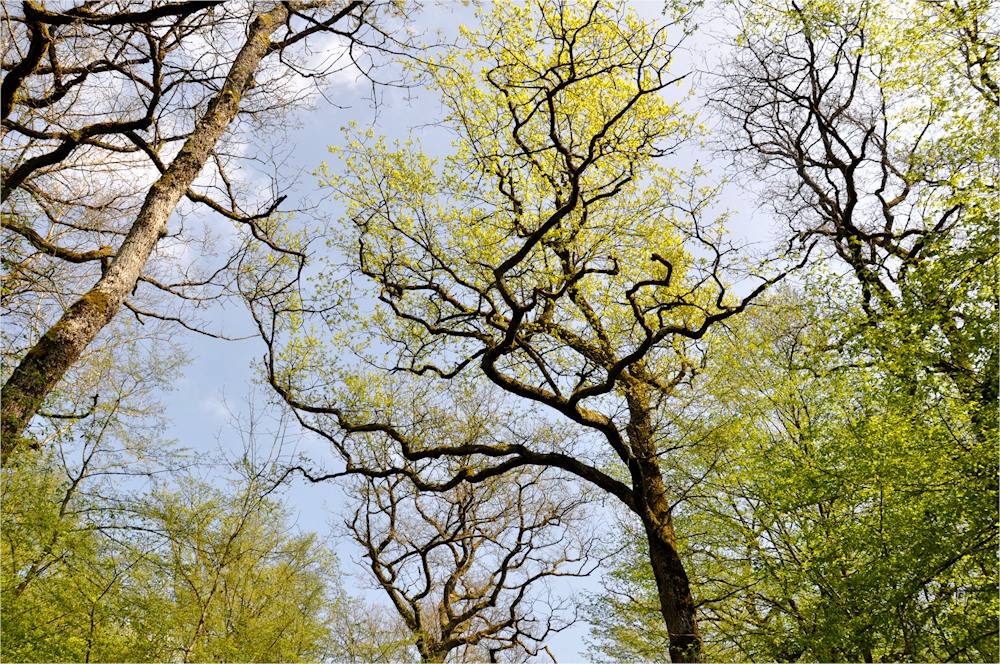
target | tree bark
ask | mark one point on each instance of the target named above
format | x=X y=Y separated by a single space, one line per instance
x=433 y=654
x=653 y=505
x=673 y=587
x=62 y=345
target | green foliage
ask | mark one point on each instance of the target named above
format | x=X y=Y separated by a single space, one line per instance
x=239 y=584
x=851 y=520
x=191 y=572
x=549 y=208
x=45 y=614
x=837 y=513
x=368 y=633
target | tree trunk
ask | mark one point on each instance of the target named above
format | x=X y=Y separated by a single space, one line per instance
x=46 y=363
x=433 y=655
x=673 y=588
x=653 y=505
x=432 y=651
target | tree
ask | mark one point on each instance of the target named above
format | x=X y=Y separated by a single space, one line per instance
x=467 y=565
x=236 y=583
x=879 y=126
x=186 y=571
x=60 y=126
x=545 y=256
x=465 y=569
x=366 y=632
x=833 y=514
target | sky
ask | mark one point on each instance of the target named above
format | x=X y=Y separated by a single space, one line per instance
x=219 y=388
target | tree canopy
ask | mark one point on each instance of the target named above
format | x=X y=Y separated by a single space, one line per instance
x=542 y=374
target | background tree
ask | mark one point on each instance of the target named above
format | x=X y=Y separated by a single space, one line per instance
x=78 y=234
x=879 y=125
x=467 y=569
x=240 y=584
x=84 y=571
x=63 y=561
x=466 y=554
x=365 y=632
x=545 y=256
x=94 y=571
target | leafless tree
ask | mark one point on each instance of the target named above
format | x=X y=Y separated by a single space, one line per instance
x=113 y=112
x=468 y=565
x=466 y=568
x=858 y=118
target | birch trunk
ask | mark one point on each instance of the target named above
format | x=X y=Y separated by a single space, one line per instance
x=46 y=363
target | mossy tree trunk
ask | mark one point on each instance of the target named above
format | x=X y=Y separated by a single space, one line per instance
x=654 y=509
x=62 y=345
x=672 y=585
